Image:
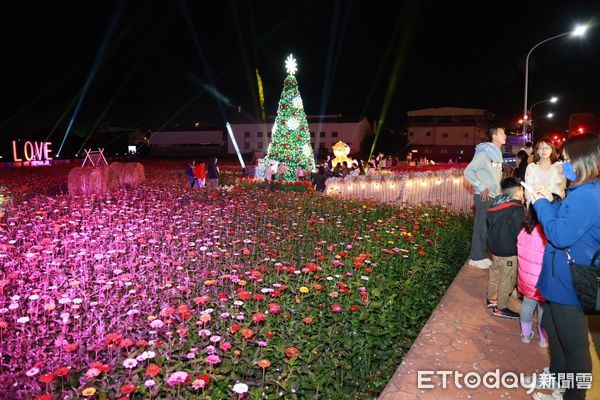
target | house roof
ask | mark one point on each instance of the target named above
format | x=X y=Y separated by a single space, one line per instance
x=449 y=111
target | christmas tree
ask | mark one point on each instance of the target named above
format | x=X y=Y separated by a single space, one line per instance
x=290 y=139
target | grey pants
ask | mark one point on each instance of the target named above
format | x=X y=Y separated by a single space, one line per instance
x=527 y=309
x=479 y=247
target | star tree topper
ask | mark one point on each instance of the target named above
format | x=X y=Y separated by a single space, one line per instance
x=290 y=65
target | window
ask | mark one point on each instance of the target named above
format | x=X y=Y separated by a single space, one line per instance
x=334 y=134
x=322 y=134
x=269 y=134
x=411 y=134
x=312 y=134
x=427 y=133
x=259 y=134
x=466 y=134
x=259 y=145
x=246 y=145
x=246 y=134
x=445 y=134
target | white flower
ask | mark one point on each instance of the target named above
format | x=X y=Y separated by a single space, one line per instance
x=240 y=388
x=13 y=306
x=130 y=363
x=23 y=320
x=34 y=297
x=149 y=354
x=32 y=372
x=149 y=383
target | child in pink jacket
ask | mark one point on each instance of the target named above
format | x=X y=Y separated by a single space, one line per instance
x=531 y=243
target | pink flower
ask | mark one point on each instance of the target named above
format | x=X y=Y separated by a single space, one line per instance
x=213 y=359
x=157 y=324
x=178 y=377
x=225 y=346
x=198 y=384
x=336 y=308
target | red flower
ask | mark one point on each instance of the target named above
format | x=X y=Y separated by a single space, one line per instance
x=247 y=333
x=245 y=295
x=258 y=297
x=128 y=388
x=307 y=320
x=353 y=308
x=274 y=309
x=62 y=371
x=258 y=317
x=317 y=286
x=264 y=364
x=126 y=343
x=235 y=328
x=45 y=396
x=152 y=370
x=204 y=378
x=141 y=343
x=291 y=352
x=270 y=334
x=46 y=378
x=71 y=347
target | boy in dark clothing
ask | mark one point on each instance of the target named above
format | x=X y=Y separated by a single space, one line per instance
x=505 y=218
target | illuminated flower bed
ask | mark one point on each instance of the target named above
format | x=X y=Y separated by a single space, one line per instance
x=163 y=292
x=293 y=186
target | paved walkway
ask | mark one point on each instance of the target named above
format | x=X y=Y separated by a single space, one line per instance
x=461 y=335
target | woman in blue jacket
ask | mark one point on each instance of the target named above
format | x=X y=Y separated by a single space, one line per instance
x=573 y=225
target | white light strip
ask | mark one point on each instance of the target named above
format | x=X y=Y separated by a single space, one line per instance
x=237 y=150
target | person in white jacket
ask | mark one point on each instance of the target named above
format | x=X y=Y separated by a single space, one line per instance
x=545 y=172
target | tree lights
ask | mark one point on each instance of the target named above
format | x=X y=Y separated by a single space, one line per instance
x=290 y=137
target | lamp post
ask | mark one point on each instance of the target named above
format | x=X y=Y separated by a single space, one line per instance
x=578 y=31
x=532 y=122
x=553 y=100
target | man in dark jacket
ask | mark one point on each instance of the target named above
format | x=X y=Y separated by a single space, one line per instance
x=505 y=218
x=213 y=173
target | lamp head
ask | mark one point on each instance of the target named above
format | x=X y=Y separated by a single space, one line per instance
x=579 y=30
x=549 y=115
x=554 y=99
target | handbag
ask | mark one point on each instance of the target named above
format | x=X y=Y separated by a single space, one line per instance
x=586 y=282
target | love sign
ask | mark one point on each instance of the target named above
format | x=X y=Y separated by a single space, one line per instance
x=32 y=151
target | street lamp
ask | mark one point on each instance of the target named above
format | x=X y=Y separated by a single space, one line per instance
x=578 y=31
x=552 y=100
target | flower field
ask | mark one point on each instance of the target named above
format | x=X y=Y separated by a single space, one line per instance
x=168 y=292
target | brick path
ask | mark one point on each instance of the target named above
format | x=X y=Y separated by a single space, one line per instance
x=462 y=335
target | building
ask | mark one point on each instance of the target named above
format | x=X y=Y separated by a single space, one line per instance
x=325 y=131
x=445 y=133
x=201 y=142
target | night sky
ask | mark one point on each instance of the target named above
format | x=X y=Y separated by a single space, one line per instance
x=170 y=63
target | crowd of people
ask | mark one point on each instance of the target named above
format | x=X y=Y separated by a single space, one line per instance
x=527 y=229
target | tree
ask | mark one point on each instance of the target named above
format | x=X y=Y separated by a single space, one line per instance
x=290 y=138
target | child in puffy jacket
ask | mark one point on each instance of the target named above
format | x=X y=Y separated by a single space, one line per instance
x=531 y=243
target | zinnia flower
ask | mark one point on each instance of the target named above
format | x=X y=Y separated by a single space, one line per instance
x=213 y=359
x=32 y=372
x=178 y=377
x=264 y=364
x=152 y=370
x=157 y=324
x=130 y=363
x=128 y=388
x=90 y=391
x=303 y=289
x=240 y=388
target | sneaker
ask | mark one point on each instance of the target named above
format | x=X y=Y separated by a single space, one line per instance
x=491 y=303
x=555 y=395
x=543 y=344
x=504 y=313
x=527 y=339
x=487 y=261
x=481 y=264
